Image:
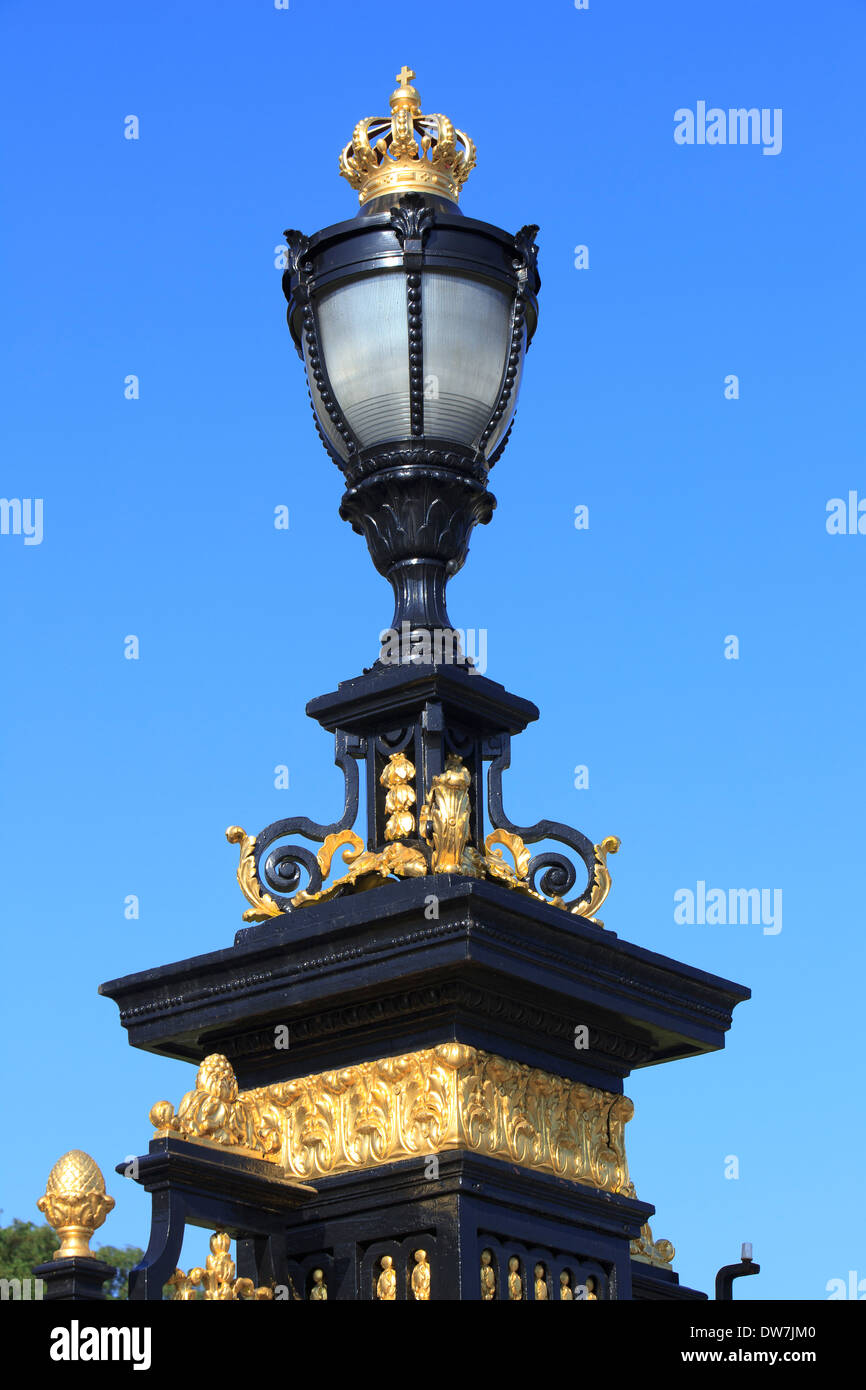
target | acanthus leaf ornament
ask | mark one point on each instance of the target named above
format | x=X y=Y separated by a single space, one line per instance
x=263 y=905
x=412 y=219
x=495 y=862
x=367 y=870
x=526 y=248
x=599 y=886
x=444 y=819
x=298 y=245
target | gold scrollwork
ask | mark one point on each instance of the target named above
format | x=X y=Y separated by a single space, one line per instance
x=367 y=867
x=494 y=857
x=263 y=905
x=444 y=825
x=600 y=884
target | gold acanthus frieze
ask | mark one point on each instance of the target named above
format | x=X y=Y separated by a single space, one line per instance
x=427 y=1102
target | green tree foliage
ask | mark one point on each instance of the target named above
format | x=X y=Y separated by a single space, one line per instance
x=24 y=1244
x=123 y=1261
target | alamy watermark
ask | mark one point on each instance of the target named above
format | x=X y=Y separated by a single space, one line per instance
x=77 y=1343
x=854 y=1288
x=731 y=907
x=735 y=126
x=22 y=516
x=26 y=1289
x=438 y=646
x=845 y=517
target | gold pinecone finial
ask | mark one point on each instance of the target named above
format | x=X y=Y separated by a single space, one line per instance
x=407 y=152
x=75 y=1203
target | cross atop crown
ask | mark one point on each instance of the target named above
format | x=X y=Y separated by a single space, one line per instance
x=404 y=76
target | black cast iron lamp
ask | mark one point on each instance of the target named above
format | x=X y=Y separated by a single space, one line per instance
x=449 y=991
x=413 y=322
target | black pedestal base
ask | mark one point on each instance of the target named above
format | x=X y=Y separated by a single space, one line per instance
x=76 y=1278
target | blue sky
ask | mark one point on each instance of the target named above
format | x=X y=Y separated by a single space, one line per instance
x=155 y=257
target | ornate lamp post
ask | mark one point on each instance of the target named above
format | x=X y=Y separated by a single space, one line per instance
x=448 y=1121
x=413 y=322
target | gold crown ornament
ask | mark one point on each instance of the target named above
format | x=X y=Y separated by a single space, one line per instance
x=407 y=152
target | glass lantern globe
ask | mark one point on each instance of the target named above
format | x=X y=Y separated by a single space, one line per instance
x=413 y=322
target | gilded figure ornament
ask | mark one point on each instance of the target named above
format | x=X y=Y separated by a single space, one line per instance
x=319 y=1291
x=218 y=1279
x=444 y=819
x=540 y=1283
x=213 y=1112
x=515 y=1283
x=386 y=1285
x=263 y=905
x=421 y=1277
x=75 y=1203
x=652 y=1252
x=566 y=1293
x=591 y=1295
x=488 y=1277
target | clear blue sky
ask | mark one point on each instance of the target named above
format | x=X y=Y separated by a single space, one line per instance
x=155 y=257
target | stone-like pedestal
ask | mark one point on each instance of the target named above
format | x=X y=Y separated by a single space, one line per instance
x=75 y=1278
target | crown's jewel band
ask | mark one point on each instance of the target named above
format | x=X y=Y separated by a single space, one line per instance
x=406 y=151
